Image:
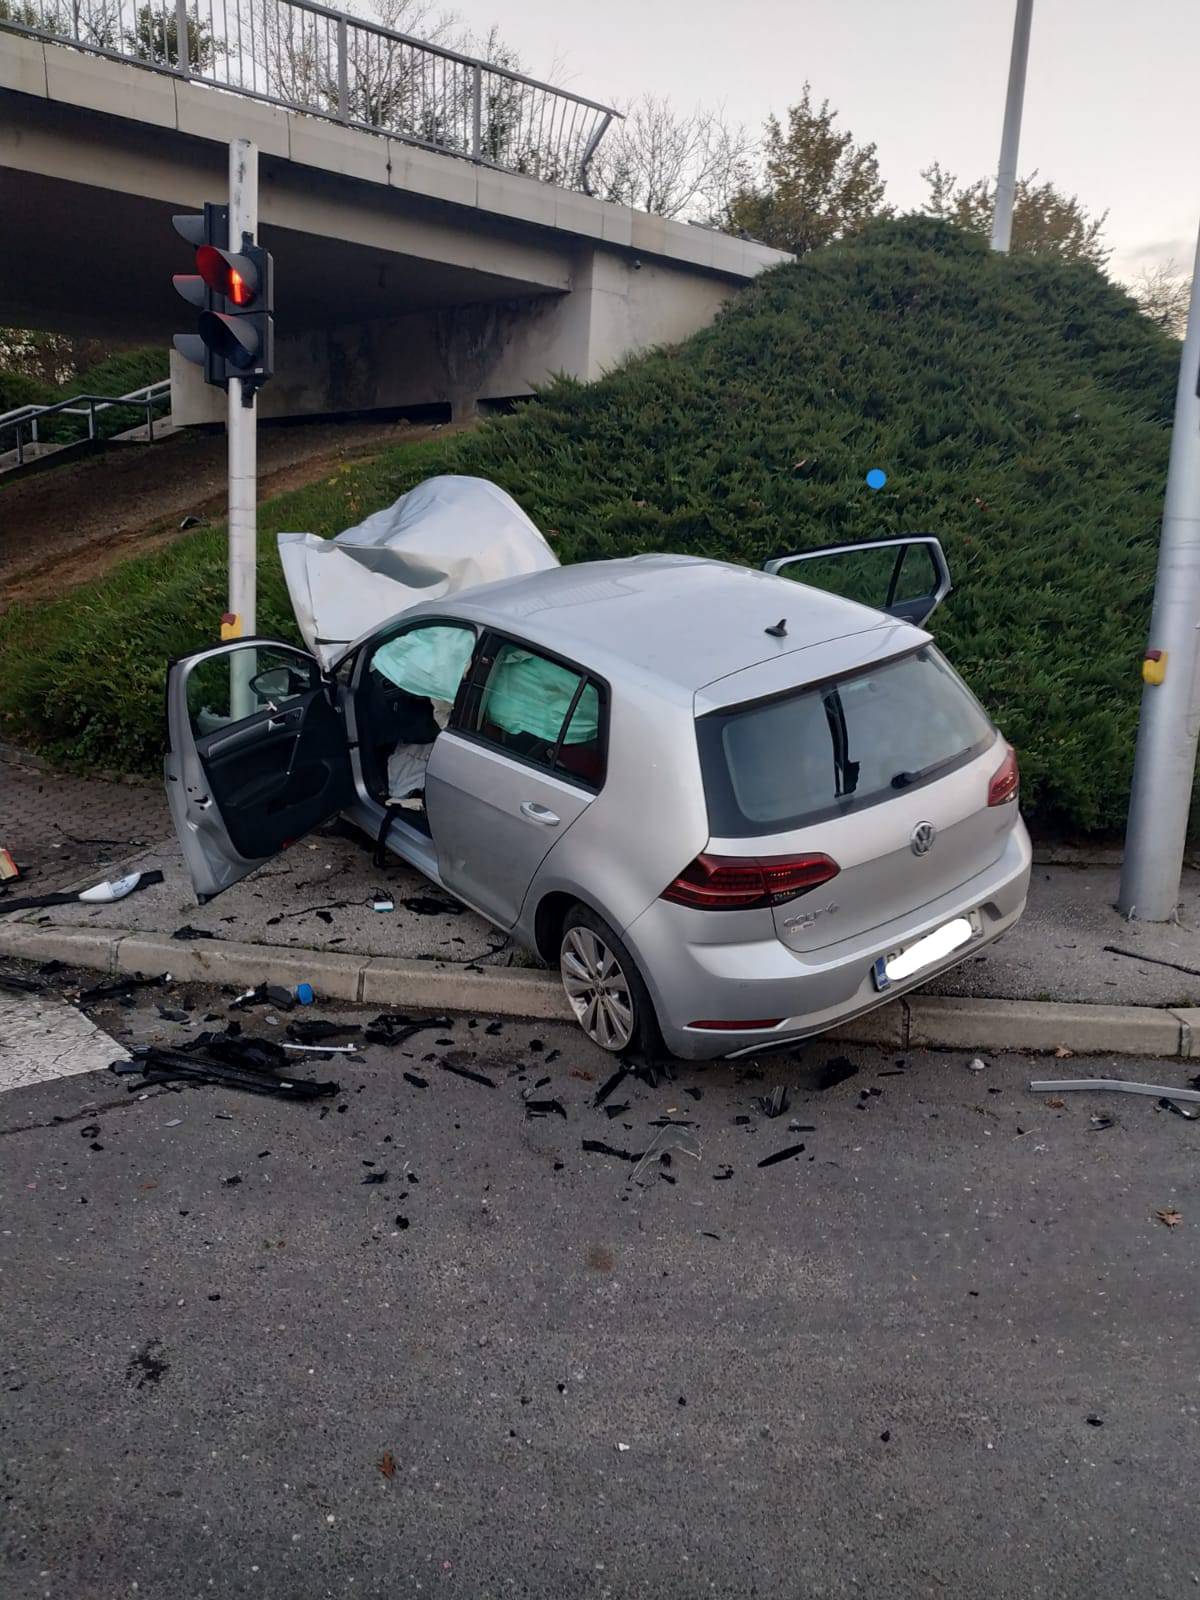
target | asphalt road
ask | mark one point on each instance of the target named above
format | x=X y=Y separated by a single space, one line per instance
x=947 y=1349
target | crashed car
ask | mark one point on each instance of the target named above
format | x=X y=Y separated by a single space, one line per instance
x=733 y=809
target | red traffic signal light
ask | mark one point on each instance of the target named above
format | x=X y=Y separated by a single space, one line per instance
x=230 y=274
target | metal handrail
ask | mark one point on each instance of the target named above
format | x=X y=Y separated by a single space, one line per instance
x=83 y=405
x=311 y=58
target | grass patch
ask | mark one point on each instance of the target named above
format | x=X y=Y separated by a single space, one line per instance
x=1021 y=409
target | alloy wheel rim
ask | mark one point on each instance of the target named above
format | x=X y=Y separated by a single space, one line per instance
x=597 y=989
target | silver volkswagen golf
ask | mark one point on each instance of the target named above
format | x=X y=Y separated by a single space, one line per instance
x=732 y=808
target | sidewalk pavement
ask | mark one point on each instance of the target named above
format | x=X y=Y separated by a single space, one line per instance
x=316 y=900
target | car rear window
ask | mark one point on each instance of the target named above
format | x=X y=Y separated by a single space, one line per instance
x=841 y=746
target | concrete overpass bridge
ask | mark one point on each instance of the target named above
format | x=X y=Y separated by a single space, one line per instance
x=432 y=244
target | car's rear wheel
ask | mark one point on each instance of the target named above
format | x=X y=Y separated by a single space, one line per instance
x=604 y=987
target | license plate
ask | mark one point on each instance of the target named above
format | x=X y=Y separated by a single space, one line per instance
x=926 y=952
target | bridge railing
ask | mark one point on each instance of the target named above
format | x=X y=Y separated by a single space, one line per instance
x=308 y=57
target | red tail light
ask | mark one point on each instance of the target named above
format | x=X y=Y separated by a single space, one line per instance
x=1006 y=780
x=739 y=883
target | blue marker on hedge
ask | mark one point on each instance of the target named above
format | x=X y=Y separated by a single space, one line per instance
x=876 y=478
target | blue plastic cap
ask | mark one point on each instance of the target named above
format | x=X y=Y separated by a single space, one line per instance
x=304 y=993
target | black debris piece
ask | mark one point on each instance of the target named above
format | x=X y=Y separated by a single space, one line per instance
x=704 y=1234
x=891 y=1072
x=95 y=1147
x=725 y=1172
x=545 y=1108
x=265 y=994
x=652 y=1073
x=376 y=1177
x=324 y=916
x=466 y=1072
x=552 y=1055
x=170 y=1014
x=1101 y=1122
x=540 y=1084
x=431 y=905
x=90 y=1132
x=597 y=1147
x=37 y=902
x=188 y=932
x=695 y=1091
x=402 y=1223
x=671 y=1122
x=14 y=981
x=618 y=1110
x=117 y=988
x=313 y=1031
x=158 y=1064
x=536 y=1046
x=609 y=1084
x=1173 y=1105
x=667 y=1178
x=785 y=1154
x=836 y=1071
x=886 y=1435
x=232 y=1183
x=1093 y=1421
x=1136 y=955
x=416 y=1081
x=394 y=1027
x=801 y=1127
x=740 y=1121
x=493 y=1028
x=775 y=1103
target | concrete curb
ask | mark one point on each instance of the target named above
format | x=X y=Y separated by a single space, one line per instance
x=920 y=1021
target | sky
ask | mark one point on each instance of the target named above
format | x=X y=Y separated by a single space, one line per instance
x=1112 y=101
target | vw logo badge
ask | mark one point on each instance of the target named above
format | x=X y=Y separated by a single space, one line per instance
x=922 y=838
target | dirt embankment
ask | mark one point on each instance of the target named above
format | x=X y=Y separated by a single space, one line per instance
x=68 y=525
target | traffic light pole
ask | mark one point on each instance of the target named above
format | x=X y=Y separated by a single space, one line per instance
x=1006 y=174
x=1165 y=763
x=242 y=429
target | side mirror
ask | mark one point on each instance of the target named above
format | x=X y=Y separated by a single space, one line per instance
x=906 y=578
x=279 y=683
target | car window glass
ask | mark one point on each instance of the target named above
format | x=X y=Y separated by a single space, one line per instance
x=823 y=751
x=538 y=710
x=240 y=683
x=581 y=753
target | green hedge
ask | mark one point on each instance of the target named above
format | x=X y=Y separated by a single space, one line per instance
x=1021 y=409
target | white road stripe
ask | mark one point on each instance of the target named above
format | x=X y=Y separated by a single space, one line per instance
x=43 y=1038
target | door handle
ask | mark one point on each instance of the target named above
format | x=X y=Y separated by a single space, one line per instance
x=539 y=813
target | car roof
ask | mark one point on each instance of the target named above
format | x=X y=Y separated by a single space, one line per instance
x=683 y=620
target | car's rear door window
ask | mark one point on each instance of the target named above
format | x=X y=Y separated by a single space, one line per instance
x=818 y=752
x=539 y=710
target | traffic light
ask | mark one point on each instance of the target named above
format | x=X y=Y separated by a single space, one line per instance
x=234 y=292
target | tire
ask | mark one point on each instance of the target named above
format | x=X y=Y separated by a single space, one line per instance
x=621 y=1019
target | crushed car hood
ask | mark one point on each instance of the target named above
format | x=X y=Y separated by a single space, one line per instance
x=447 y=534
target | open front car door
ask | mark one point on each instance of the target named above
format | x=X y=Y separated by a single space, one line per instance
x=258 y=756
x=907 y=577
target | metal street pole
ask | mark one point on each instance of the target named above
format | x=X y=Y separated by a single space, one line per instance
x=242 y=427
x=1006 y=176
x=1165 y=763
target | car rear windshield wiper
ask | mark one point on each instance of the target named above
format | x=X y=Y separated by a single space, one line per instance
x=902 y=780
x=845 y=770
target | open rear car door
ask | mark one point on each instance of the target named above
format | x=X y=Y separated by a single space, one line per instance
x=258 y=756
x=906 y=578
